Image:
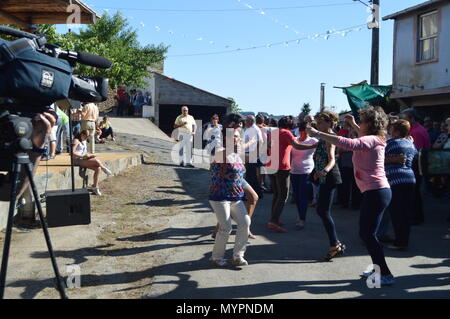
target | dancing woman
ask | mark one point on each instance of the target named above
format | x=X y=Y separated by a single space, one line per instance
x=368 y=159
x=226 y=197
x=327 y=176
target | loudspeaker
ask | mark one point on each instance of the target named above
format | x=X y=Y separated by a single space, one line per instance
x=68 y=208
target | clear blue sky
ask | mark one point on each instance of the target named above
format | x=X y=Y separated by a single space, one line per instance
x=278 y=79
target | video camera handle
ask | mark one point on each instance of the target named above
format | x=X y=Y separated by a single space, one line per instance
x=17 y=33
x=71 y=56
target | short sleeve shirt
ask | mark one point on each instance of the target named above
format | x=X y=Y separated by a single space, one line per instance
x=227 y=179
x=190 y=122
x=285 y=148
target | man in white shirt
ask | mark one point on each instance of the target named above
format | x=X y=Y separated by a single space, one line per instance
x=89 y=117
x=252 y=162
x=187 y=127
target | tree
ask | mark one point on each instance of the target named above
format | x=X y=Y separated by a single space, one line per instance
x=111 y=37
x=234 y=106
x=306 y=108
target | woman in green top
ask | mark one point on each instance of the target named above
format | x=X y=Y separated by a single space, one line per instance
x=106 y=128
x=326 y=174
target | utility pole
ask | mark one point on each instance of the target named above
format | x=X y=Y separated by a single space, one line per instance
x=322 y=97
x=374 y=70
x=374 y=24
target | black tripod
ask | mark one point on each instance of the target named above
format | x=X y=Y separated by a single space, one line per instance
x=22 y=159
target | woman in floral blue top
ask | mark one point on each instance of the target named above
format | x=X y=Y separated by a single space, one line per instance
x=226 y=195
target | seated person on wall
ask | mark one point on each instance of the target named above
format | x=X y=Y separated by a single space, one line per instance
x=98 y=133
x=106 y=128
x=83 y=159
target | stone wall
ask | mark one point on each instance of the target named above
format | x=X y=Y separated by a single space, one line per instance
x=62 y=180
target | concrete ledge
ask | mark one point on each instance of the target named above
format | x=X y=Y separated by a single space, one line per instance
x=59 y=174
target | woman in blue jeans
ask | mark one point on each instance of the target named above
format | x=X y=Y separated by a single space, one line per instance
x=302 y=164
x=368 y=159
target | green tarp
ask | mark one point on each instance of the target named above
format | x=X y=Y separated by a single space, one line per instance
x=360 y=96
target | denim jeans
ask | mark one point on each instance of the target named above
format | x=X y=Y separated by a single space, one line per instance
x=300 y=192
x=107 y=132
x=62 y=130
x=384 y=226
x=76 y=127
x=373 y=205
x=325 y=201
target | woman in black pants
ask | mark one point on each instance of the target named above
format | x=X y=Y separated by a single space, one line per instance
x=400 y=154
x=368 y=160
x=326 y=174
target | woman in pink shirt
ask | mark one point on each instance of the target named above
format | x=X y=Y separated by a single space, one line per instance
x=368 y=161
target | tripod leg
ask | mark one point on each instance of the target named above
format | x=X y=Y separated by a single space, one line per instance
x=60 y=285
x=7 y=243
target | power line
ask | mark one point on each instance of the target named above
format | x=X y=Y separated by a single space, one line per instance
x=287 y=42
x=231 y=10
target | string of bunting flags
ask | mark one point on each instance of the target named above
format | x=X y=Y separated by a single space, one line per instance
x=263 y=13
x=326 y=36
x=227 y=48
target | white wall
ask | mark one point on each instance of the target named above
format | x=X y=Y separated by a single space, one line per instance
x=407 y=73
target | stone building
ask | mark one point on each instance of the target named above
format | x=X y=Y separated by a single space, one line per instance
x=169 y=95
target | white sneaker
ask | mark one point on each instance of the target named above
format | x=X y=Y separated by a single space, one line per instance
x=107 y=171
x=239 y=262
x=367 y=273
x=300 y=224
x=96 y=191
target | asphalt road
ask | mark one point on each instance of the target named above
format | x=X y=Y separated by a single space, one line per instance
x=290 y=265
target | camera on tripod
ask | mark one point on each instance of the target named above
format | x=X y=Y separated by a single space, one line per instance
x=33 y=75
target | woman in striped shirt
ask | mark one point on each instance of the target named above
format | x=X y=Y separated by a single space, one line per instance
x=400 y=153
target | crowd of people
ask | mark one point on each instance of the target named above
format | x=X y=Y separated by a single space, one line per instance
x=370 y=164
x=87 y=131
x=130 y=103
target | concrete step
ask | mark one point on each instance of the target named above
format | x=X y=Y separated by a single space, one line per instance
x=138 y=126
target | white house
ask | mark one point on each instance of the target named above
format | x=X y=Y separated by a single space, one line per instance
x=421 y=65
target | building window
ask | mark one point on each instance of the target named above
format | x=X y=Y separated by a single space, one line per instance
x=428 y=37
